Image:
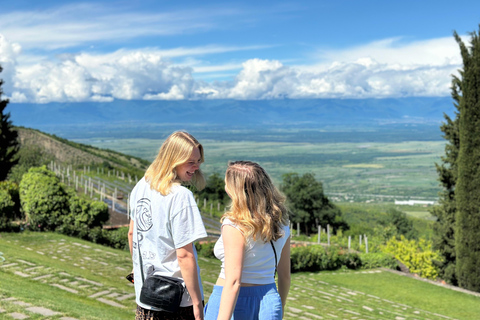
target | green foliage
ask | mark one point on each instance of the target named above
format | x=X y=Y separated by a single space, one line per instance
x=214 y=190
x=308 y=204
x=318 y=258
x=378 y=260
x=418 y=256
x=9 y=204
x=43 y=198
x=28 y=156
x=86 y=213
x=8 y=139
x=205 y=249
x=467 y=231
x=445 y=212
x=402 y=225
x=6 y=209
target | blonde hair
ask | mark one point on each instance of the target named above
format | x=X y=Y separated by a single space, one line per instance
x=258 y=207
x=175 y=151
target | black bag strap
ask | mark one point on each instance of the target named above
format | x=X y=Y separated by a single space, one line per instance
x=140 y=257
x=275 y=253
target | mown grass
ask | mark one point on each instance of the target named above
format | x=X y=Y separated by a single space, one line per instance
x=344 y=295
x=408 y=291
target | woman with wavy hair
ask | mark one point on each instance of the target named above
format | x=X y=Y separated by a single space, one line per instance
x=165 y=223
x=254 y=246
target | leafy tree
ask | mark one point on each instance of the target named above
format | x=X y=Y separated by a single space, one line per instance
x=43 y=198
x=9 y=203
x=8 y=139
x=401 y=224
x=467 y=232
x=214 y=190
x=308 y=204
x=29 y=156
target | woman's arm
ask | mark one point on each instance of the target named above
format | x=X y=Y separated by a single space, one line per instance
x=283 y=271
x=188 y=267
x=130 y=237
x=234 y=244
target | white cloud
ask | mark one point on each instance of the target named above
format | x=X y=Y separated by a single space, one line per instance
x=380 y=69
x=9 y=53
x=432 y=52
x=120 y=75
x=87 y=23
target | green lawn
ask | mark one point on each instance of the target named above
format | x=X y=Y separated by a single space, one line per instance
x=78 y=279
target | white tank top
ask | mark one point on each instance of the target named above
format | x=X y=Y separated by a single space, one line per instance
x=259 y=259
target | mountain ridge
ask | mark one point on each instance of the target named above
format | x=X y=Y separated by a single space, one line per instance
x=238 y=113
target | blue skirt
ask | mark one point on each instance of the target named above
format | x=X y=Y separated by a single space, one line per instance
x=254 y=303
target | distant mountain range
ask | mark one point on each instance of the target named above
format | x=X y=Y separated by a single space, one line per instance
x=140 y=116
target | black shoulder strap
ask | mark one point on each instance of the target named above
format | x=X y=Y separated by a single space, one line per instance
x=140 y=258
x=275 y=253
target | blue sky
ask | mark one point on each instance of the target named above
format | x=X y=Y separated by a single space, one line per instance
x=68 y=51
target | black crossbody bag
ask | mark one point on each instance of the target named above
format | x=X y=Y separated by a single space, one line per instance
x=164 y=293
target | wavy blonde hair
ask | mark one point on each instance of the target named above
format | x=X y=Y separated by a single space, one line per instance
x=175 y=151
x=258 y=207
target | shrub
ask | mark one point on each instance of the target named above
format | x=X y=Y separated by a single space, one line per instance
x=9 y=204
x=43 y=199
x=6 y=209
x=86 y=213
x=205 y=249
x=318 y=258
x=418 y=256
x=378 y=260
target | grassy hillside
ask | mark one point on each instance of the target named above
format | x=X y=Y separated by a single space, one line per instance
x=65 y=152
x=50 y=276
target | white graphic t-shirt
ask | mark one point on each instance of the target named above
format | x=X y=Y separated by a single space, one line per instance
x=163 y=224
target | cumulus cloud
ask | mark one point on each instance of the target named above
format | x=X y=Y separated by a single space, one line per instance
x=9 y=53
x=120 y=75
x=364 y=78
x=379 y=70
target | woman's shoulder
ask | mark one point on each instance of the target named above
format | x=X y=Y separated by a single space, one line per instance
x=227 y=222
x=180 y=191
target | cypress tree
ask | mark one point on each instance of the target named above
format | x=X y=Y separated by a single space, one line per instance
x=467 y=232
x=9 y=145
x=445 y=212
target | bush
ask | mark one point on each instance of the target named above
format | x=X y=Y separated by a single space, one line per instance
x=6 y=209
x=417 y=256
x=205 y=249
x=43 y=199
x=378 y=260
x=9 y=204
x=318 y=258
x=86 y=213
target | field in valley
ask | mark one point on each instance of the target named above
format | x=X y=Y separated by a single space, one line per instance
x=349 y=171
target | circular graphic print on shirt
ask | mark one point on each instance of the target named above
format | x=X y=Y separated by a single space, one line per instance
x=143 y=213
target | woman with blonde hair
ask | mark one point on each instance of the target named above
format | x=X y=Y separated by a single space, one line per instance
x=165 y=223
x=254 y=246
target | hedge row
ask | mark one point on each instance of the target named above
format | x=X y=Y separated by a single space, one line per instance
x=318 y=258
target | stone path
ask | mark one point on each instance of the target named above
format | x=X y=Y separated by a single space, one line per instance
x=28 y=311
x=81 y=256
x=305 y=295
